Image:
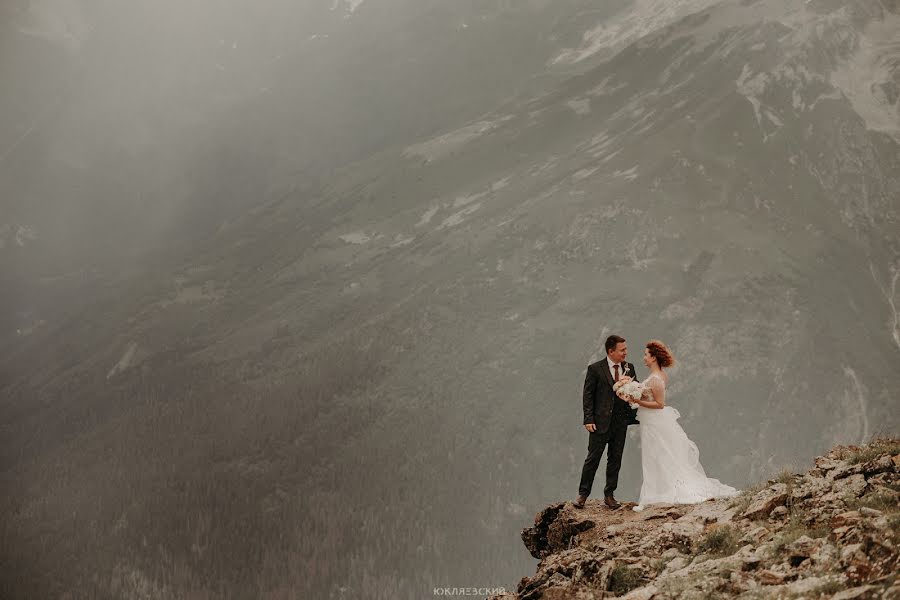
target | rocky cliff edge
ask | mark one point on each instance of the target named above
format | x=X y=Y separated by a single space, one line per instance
x=831 y=532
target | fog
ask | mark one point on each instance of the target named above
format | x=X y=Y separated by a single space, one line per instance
x=132 y=123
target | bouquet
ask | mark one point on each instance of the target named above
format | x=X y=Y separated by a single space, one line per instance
x=629 y=390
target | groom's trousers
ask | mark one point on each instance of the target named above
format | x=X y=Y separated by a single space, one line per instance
x=614 y=437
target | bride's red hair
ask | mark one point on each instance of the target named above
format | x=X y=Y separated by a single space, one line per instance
x=661 y=353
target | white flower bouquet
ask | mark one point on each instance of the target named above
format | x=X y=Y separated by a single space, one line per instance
x=629 y=390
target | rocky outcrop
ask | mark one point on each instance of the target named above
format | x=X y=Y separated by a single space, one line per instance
x=833 y=532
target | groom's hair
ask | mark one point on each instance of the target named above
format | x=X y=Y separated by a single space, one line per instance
x=613 y=341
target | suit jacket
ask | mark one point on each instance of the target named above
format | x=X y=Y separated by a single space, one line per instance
x=598 y=398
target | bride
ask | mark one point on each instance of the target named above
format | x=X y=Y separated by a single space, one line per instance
x=669 y=459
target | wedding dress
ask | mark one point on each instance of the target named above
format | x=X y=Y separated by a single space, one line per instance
x=671 y=461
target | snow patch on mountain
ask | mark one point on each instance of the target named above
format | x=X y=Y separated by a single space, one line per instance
x=447 y=144
x=869 y=78
x=349 y=5
x=639 y=19
x=357 y=237
x=426 y=217
x=16 y=234
x=458 y=217
x=60 y=22
x=124 y=362
x=468 y=199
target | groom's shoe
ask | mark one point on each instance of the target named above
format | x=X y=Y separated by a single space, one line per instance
x=579 y=503
x=611 y=502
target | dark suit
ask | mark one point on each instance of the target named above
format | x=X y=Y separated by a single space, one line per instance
x=611 y=415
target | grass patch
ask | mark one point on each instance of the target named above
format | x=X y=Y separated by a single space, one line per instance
x=785 y=476
x=623 y=579
x=796 y=528
x=721 y=541
x=743 y=500
x=886 y=503
x=877 y=447
x=657 y=565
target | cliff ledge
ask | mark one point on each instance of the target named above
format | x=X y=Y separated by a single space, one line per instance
x=831 y=532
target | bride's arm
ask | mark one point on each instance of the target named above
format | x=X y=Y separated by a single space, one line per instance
x=658 y=393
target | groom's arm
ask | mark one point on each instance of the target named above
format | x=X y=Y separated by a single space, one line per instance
x=588 y=396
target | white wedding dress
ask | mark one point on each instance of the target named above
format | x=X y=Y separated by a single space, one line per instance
x=671 y=461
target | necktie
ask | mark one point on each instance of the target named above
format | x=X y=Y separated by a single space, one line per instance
x=616 y=367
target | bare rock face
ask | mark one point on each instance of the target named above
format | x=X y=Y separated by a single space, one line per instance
x=832 y=532
x=553 y=532
x=766 y=501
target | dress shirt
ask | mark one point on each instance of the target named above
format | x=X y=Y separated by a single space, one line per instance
x=612 y=371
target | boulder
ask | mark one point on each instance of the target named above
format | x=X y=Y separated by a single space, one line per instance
x=801 y=549
x=709 y=512
x=750 y=563
x=644 y=593
x=804 y=587
x=854 y=485
x=756 y=535
x=882 y=464
x=864 y=592
x=827 y=463
x=846 y=519
x=767 y=577
x=825 y=554
x=553 y=530
x=856 y=563
x=676 y=564
x=892 y=593
x=870 y=512
x=811 y=486
x=765 y=501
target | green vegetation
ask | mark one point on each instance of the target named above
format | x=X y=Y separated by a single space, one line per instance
x=743 y=500
x=883 y=501
x=721 y=541
x=796 y=528
x=658 y=565
x=624 y=578
x=200 y=483
x=785 y=476
x=877 y=447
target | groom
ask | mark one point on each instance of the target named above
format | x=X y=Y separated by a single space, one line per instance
x=606 y=417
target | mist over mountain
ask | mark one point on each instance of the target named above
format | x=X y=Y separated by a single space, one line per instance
x=298 y=297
